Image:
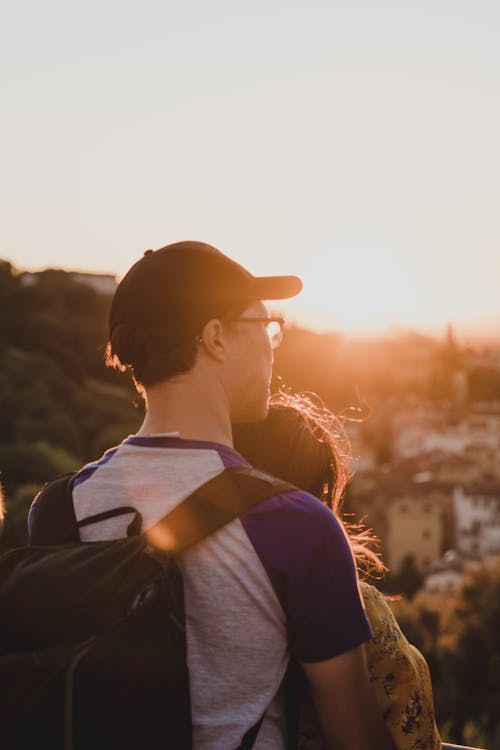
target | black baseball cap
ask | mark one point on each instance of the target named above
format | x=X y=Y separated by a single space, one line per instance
x=180 y=287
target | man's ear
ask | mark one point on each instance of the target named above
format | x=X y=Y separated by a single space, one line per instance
x=213 y=338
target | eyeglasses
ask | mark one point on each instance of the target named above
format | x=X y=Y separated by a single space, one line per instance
x=273 y=326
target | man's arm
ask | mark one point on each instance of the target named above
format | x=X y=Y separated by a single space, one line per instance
x=345 y=703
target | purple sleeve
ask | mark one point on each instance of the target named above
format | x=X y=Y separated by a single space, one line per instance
x=308 y=559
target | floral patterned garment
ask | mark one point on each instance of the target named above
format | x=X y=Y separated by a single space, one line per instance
x=401 y=683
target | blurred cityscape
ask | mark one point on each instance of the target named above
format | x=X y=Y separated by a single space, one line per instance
x=427 y=476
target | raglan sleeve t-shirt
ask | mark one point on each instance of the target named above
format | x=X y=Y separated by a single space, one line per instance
x=279 y=581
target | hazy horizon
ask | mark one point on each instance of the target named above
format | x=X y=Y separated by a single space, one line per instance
x=485 y=332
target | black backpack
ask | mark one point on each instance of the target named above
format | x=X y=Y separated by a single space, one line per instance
x=92 y=636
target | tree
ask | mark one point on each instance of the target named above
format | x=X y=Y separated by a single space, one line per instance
x=458 y=631
x=408 y=580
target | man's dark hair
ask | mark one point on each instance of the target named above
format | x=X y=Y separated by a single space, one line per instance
x=143 y=356
x=144 y=352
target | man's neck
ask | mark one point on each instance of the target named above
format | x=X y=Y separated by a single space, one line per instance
x=179 y=406
x=172 y=426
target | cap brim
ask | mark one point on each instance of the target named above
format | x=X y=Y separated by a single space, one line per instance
x=277 y=287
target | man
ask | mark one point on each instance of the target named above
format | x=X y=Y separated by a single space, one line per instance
x=278 y=581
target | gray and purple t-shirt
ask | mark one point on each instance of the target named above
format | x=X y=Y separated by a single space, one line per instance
x=279 y=580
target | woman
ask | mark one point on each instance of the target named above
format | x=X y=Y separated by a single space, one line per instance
x=306 y=445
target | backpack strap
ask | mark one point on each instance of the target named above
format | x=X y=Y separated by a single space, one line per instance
x=134 y=527
x=55 y=521
x=213 y=505
x=210 y=507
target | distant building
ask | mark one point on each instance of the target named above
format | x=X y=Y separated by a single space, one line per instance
x=446 y=574
x=28 y=279
x=450 y=572
x=477 y=520
x=102 y=283
x=486 y=359
x=409 y=510
x=462 y=469
x=414 y=528
x=475 y=431
x=444 y=579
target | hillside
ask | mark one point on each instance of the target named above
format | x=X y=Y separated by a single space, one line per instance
x=59 y=406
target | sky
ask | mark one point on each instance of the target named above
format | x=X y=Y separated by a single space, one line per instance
x=355 y=144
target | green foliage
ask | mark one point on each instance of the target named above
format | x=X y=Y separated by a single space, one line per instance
x=408 y=580
x=459 y=634
x=58 y=403
x=16 y=529
x=34 y=462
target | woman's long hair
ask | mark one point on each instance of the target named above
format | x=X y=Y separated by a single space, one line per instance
x=303 y=442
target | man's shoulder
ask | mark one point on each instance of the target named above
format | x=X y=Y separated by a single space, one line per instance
x=296 y=507
x=306 y=554
x=296 y=525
